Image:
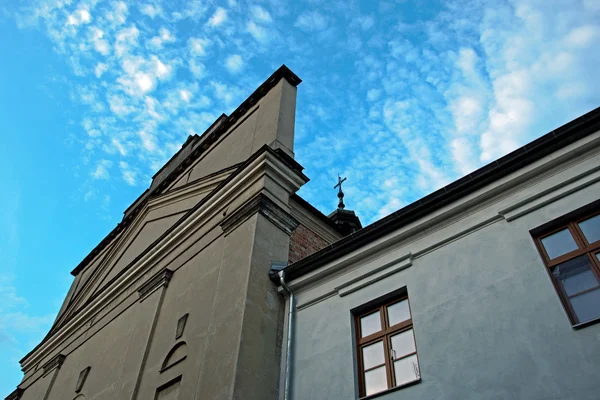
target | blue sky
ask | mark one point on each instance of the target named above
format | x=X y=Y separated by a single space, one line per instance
x=402 y=97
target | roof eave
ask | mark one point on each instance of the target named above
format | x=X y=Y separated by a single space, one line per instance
x=525 y=155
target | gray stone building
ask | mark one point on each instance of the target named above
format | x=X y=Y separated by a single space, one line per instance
x=485 y=289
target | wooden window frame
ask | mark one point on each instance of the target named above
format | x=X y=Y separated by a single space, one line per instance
x=571 y=222
x=385 y=335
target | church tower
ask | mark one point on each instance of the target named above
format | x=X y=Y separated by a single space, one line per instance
x=176 y=301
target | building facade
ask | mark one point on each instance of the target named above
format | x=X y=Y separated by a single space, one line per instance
x=488 y=288
x=221 y=283
x=176 y=302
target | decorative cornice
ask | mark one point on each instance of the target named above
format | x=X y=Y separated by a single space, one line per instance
x=54 y=362
x=156 y=282
x=262 y=204
x=15 y=395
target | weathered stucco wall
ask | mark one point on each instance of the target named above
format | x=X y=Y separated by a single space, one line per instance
x=488 y=323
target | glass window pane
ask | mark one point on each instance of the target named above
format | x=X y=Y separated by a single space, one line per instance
x=587 y=305
x=375 y=381
x=591 y=228
x=373 y=355
x=398 y=312
x=406 y=370
x=598 y=256
x=403 y=343
x=575 y=275
x=559 y=243
x=370 y=324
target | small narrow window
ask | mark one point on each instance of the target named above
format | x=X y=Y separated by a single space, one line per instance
x=571 y=253
x=386 y=348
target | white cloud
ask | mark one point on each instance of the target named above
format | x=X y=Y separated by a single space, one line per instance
x=161 y=70
x=399 y=117
x=311 y=21
x=100 y=44
x=100 y=69
x=584 y=36
x=128 y=174
x=144 y=82
x=24 y=323
x=258 y=32
x=141 y=75
x=101 y=170
x=373 y=94
x=137 y=84
x=150 y=10
x=198 y=46
x=164 y=36
x=90 y=128
x=79 y=17
x=261 y=15
x=89 y=195
x=152 y=108
x=467 y=101
x=218 y=17
x=366 y=22
x=197 y=68
x=193 y=10
x=126 y=39
x=185 y=95
x=148 y=141
x=182 y=99
x=226 y=93
x=118 y=14
x=389 y=207
x=119 y=105
x=234 y=63
x=119 y=146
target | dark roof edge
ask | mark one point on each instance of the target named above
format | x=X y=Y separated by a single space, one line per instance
x=523 y=156
x=204 y=141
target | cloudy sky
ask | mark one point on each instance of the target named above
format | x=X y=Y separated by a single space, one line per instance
x=402 y=97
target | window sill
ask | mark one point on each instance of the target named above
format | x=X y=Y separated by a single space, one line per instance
x=375 y=395
x=587 y=323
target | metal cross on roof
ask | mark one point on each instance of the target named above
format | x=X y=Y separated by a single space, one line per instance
x=340 y=194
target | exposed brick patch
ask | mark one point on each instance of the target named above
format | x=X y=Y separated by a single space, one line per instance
x=303 y=243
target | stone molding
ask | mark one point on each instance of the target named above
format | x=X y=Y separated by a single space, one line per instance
x=54 y=363
x=181 y=326
x=263 y=205
x=82 y=378
x=159 y=280
x=15 y=395
x=550 y=195
x=374 y=276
